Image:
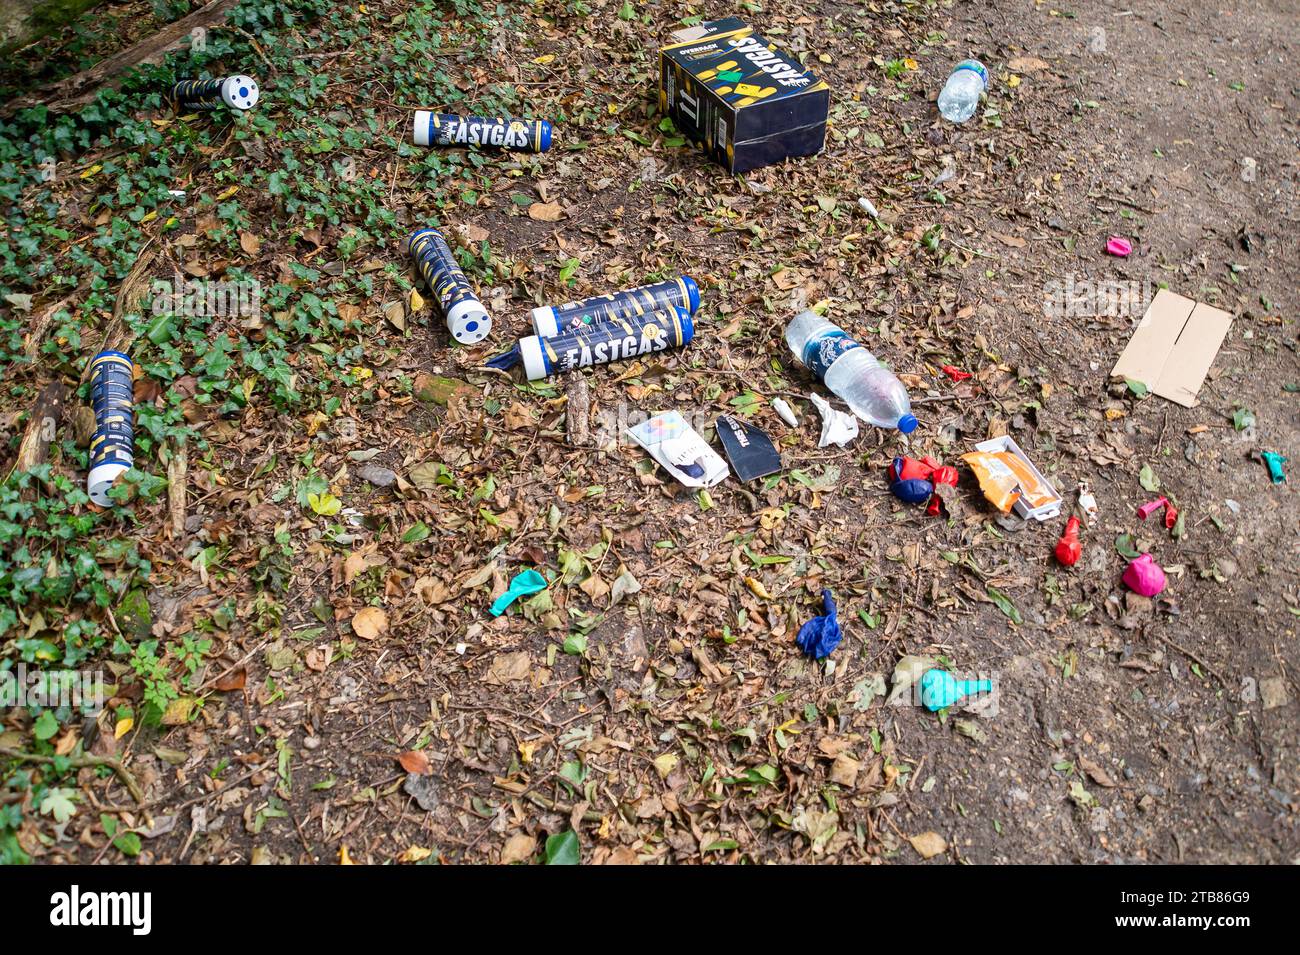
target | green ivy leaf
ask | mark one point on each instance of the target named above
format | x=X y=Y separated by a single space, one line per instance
x=46 y=726
x=58 y=803
x=1124 y=545
x=1148 y=479
x=1005 y=605
x=327 y=505
x=128 y=843
x=563 y=849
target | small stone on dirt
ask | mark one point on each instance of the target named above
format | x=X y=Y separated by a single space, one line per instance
x=423 y=789
x=376 y=475
x=1273 y=692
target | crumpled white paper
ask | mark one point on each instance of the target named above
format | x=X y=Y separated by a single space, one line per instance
x=786 y=413
x=838 y=427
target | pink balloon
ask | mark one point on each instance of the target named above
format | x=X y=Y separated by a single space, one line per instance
x=1144 y=576
x=1118 y=245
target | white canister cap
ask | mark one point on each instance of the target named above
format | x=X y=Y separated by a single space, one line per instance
x=420 y=129
x=544 y=323
x=240 y=92
x=530 y=352
x=101 y=481
x=468 y=322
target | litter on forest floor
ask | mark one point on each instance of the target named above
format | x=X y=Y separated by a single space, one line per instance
x=1150 y=507
x=729 y=91
x=112 y=397
x=1119 y=246
x=1010 y=480
x=524 y=584
x=838 y=427
x=939 y=690
x=449 y=129
x=1068 y=548
x=751 y=452
x=1274 y=461
x=238 y=92
x=820 y=635
x=1088 y=503
x=853 y=374
x=681 y=292
x=467 y=319
x=590 y=345
x=785 y=412
x=1144 y=576
x=960 y=95
x=1173 y=347
x=680 y=450
x=915 y=482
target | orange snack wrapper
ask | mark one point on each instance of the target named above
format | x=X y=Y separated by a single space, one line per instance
x=1004 y=479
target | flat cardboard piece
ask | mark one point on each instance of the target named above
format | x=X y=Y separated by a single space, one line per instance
x=679 y=450
x=1174 y=346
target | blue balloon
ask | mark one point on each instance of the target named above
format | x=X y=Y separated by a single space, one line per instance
x=915 y=491
x=820 y=635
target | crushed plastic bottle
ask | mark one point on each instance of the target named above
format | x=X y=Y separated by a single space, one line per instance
x=871 y=390
x=961 y=94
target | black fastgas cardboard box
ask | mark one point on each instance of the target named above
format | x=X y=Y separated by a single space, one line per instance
x=745 y=104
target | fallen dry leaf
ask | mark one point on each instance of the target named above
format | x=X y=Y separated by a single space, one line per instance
x=545 y=211
x=518 y=848
x=928 y=844
x=508 y=668
x=369 y=622
x=415 y=761
x=234 y=680
x=1026 y=64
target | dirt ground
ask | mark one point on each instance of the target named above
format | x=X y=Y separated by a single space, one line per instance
x=652 y=700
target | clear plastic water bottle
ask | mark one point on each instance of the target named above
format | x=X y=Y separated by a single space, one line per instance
x=854 y=374
x=961 y=94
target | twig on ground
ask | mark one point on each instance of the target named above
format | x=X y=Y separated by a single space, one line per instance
x=82 y=762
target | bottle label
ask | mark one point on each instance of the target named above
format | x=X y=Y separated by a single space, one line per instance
x=616 y=340
x=449 y=129
x=976 y=67
x=823 y=351
x=629 y=303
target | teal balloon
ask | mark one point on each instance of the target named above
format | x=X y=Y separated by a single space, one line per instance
x=939 y=690
x=1275 y=462
x=529 y=582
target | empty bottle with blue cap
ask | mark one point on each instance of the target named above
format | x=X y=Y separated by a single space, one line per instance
x=961 y=94
x=871 y=390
